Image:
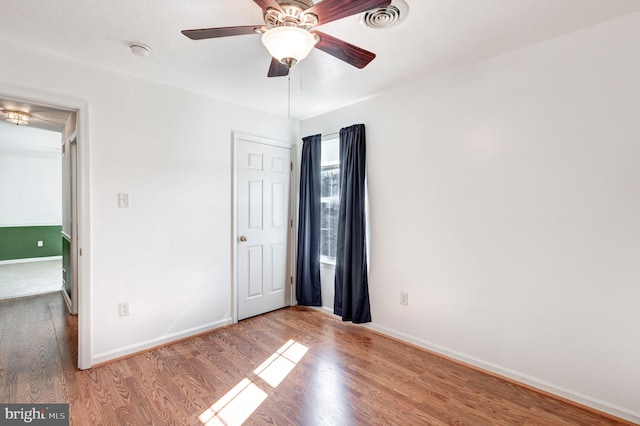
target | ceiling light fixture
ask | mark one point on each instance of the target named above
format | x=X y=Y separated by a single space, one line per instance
x=288 y=44
x=17 y=117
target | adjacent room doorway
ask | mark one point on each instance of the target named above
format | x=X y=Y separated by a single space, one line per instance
x=64 y=114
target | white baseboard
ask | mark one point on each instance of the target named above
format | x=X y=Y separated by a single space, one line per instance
x=32 y=259
x=604 y=406
x=327 y=309
x=67 y=300
x=159 y=341
x=37 y=293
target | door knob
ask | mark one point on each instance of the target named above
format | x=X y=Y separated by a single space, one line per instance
x=243 y=238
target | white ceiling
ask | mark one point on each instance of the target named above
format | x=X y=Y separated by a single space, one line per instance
x=437 y=36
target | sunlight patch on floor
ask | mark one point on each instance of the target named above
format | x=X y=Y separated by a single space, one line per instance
x=280 y=364
x=237 y=405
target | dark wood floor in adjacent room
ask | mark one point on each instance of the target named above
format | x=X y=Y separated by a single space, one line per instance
x=295 y=366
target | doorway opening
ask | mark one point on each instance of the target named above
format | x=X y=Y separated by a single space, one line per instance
x=42 y=193
x=31 y=210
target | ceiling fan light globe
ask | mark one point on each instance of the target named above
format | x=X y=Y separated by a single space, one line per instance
x=288 y=44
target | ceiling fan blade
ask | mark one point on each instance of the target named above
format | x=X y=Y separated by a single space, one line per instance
x=220 y=32
x=331 y=10
x=265 y=4
x=351 y=54
x=277 y=69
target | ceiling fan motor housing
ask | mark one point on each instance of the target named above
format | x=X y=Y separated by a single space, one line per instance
x=291 y=15
x=302 y=4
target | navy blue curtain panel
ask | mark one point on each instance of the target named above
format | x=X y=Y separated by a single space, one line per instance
x=351 y=281
x=308 y=262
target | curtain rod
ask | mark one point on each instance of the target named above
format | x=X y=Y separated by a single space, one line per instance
x=331 y=135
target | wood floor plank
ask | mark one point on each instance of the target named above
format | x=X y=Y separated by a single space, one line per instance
x=341 y=374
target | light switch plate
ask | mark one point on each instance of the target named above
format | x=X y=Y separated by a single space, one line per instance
x=123 y=200
x=404 y=299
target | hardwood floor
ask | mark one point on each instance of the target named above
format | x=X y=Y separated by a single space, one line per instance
x=320 y=371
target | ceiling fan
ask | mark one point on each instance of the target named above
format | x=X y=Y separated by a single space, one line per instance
x=288 y=32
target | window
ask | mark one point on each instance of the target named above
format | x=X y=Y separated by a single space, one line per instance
x=329 y=211
x=329 y=201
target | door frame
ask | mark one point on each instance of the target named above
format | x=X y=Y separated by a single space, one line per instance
x=238 y=136
x=83 y=255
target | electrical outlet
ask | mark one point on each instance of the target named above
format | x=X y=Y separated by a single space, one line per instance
x=404 y=299
x=124 y=309
x=40 y=243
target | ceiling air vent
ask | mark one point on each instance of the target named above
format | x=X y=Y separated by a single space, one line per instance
x=386 y=17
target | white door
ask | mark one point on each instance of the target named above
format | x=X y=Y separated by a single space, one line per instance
x=69 y=212
x=262 y=225
x=73 y=145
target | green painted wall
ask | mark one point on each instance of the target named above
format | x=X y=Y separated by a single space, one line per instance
x=21 y=242
x=66 y=264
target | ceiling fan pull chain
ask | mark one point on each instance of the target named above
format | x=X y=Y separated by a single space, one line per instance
x=289 y=94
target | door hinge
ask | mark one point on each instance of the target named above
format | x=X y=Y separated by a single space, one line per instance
x=291 y=280
x=291 y=223
x=80 y=250
x=291 y=165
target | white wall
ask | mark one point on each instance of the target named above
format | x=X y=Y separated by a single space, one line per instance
x=169 y=253
x=30 y=190
x=505 y=199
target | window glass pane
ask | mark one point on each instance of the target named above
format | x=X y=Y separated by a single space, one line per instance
x=325 y=219
x=330 y=176
x=326 y=184
x=324 y=243
x=333 y=234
